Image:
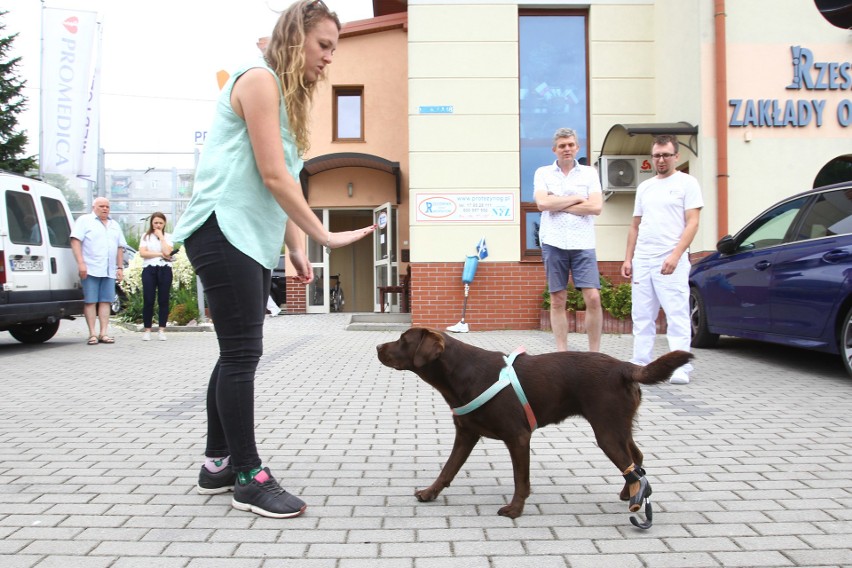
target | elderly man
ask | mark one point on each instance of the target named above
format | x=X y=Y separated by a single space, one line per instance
x=98 y=243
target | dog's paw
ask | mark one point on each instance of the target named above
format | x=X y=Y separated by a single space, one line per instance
x=511 y=511
x=425 y=495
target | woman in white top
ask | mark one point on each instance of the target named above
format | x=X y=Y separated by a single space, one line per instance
x=156 y=250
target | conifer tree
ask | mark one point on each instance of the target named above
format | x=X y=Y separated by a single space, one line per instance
x=13 y=141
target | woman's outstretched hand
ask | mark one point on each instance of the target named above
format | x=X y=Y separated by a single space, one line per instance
x=343 y=238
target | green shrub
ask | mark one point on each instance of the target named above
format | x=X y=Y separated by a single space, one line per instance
x=616 y=300
x=574 y=301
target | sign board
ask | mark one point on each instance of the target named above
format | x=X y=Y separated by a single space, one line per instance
x=466 y=207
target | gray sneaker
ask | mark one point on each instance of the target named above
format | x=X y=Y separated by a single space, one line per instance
x=214 y=483
x=263 y=495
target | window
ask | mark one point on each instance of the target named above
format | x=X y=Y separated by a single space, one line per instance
x=772 y=227
x=553 y=86
x=24 y=228
x=831 y=215
x=348 y=114
x=58 y=229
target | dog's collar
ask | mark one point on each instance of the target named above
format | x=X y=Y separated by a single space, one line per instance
x=507 y=377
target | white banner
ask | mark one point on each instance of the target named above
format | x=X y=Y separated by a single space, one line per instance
x=67 y=76
x=92 y=137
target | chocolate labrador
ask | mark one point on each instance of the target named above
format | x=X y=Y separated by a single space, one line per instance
x=547 y=389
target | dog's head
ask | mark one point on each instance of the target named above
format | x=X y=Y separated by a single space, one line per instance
x=414 y=349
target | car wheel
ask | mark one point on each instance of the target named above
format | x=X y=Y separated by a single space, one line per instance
x=701 y=336
x=846 y=342
x=115 y=305
x=34 y=332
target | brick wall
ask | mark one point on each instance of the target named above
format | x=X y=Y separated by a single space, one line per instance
x=503 y=295
x=297 y=302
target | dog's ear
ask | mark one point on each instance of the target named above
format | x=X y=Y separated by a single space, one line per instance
x=429 y=349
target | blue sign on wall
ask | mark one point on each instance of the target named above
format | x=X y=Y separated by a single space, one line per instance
x=441 y=109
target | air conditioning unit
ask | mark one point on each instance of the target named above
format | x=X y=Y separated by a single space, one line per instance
x=624 y=173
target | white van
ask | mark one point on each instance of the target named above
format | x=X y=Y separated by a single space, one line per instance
x=39 y=282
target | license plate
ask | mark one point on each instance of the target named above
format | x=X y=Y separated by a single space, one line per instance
x=27 y=265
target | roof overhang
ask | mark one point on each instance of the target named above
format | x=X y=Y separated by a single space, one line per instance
x=637 y=139
x=349 y=160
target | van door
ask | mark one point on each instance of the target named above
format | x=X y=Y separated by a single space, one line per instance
x=25 y=248
x=62 y=267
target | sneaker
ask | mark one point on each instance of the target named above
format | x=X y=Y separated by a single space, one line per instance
x=460 y=327
x=146 y=336
x=214 y=483
x=263 y=495
x=161 y=335
x=679 y=377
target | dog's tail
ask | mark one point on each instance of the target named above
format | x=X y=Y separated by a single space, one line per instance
x=661 y=369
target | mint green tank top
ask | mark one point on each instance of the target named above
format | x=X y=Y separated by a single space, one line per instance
x=228 y=183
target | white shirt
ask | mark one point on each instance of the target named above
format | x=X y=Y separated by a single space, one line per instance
x=100 y=244
x=153 y=244
x=662 y=204
x=559 y=228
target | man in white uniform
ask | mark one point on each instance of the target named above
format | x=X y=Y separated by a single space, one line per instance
x=569 y=196
x=665 y=220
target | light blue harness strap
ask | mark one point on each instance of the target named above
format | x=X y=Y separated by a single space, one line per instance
x=507 y=377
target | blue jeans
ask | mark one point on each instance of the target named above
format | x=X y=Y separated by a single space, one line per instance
x=236 y=287
x=156 y=280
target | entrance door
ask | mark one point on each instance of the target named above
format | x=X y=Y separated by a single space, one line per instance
x=316 y=301
x=384 y=253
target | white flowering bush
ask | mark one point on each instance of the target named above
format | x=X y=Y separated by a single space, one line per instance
x=132 y=281
x=183 y=301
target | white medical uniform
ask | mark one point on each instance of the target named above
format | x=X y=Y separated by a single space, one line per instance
x=661 y=203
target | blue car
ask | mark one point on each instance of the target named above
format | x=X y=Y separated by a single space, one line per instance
x=785 y=278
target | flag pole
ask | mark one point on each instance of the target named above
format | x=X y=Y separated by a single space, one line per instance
x=41 y=97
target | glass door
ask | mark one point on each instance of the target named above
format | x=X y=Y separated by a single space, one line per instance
x=316 y=301
x=384 y=254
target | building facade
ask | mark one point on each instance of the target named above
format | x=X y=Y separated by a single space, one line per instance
x=458 y=101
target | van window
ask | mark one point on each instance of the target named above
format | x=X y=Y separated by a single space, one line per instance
x=58 y=228
x=24 y=228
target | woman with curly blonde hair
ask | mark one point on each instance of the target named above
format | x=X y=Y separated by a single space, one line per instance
x=246 y=199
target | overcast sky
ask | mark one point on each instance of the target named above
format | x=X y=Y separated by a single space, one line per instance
x=160 y=59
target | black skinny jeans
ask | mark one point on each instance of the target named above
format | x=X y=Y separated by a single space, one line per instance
x=156 y=280
x=236 y=287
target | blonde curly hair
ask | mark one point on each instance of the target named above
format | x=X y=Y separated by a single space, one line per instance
x=285 y=53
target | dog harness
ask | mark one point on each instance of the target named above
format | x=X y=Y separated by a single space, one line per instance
x=507 y=377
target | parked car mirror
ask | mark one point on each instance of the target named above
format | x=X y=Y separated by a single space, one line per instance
x=726 y=245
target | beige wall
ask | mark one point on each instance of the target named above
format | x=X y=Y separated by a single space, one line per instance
x=649 y=61
x=474 y=68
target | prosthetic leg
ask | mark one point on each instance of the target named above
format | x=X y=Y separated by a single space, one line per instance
x=640 y=491
x=470 y=265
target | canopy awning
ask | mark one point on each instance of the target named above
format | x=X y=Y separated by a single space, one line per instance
x=637 y=139
x=349 y=160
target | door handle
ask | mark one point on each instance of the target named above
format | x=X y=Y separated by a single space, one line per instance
x=52 y=265
x=762 y=265
x=835 y=255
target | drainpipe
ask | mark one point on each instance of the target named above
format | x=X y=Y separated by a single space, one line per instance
x=721 y=68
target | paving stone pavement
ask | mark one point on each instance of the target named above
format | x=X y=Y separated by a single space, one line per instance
x=100 y=448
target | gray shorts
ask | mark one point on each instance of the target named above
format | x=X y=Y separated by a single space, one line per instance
x=560 y=263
